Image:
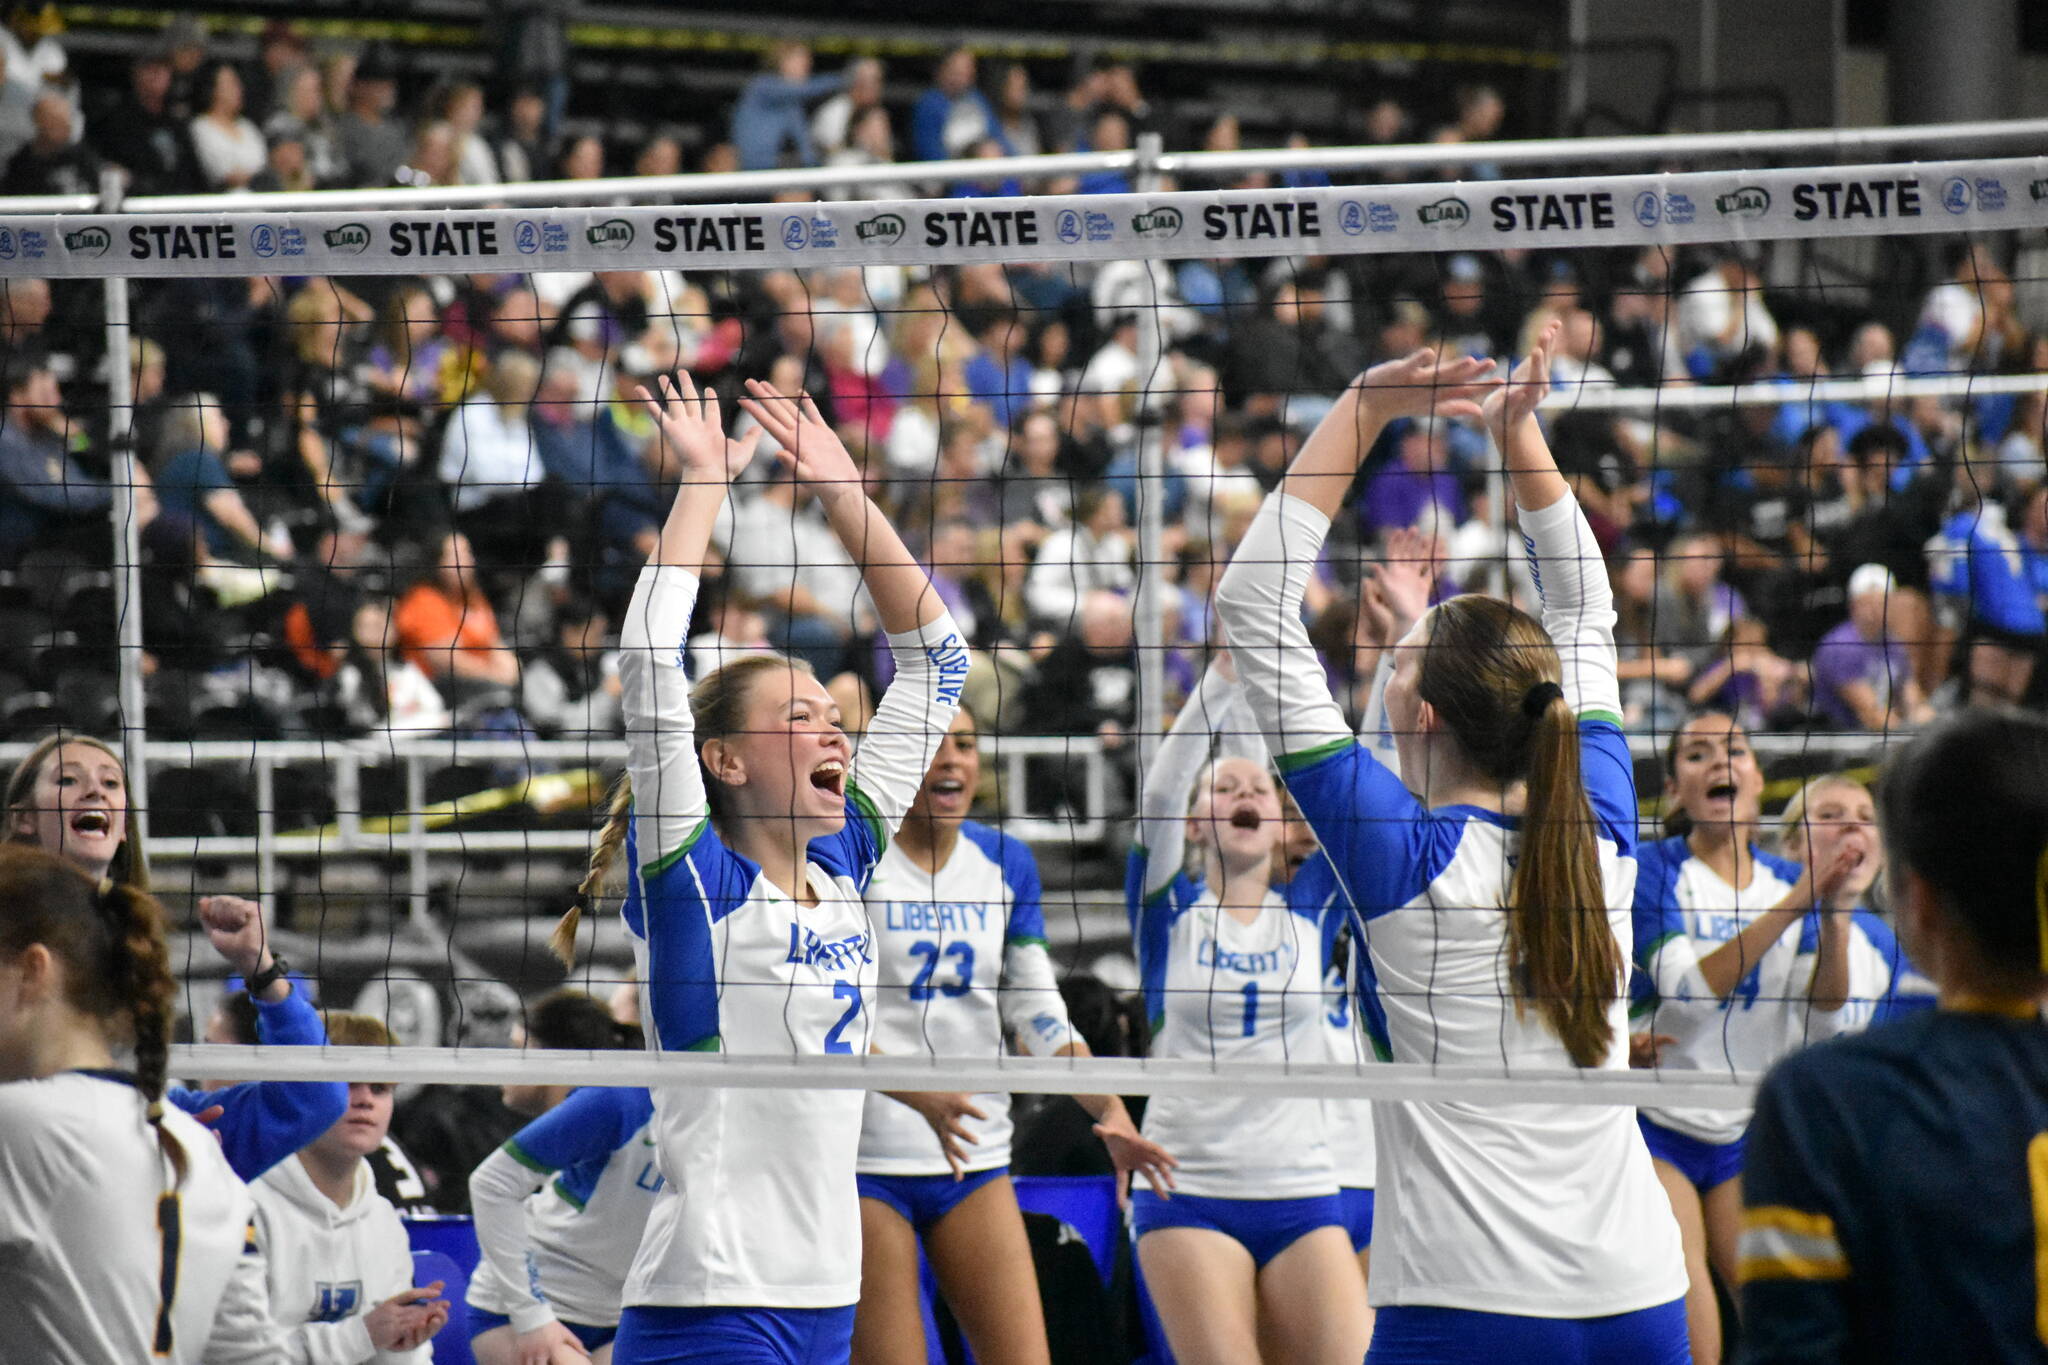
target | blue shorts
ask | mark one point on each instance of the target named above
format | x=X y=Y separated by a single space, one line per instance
x=1357 y=1215
x=481 y=1322
x=1705 y=1164
x=924 y=1199
x=1264 y=1227
x=734 y=1336
x=1417 y=1335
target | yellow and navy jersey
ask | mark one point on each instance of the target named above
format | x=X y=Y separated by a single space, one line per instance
x=1897 y=1193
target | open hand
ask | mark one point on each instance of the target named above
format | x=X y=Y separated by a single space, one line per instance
x=1527 y=386
x=693 y=427
x=946 y=1111
x=548 y=1344
x=1132 y=1153
x=1401 y=584
x=1422 y=382
x=811 y=450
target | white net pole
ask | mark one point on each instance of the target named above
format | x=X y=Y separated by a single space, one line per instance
x=127 y=533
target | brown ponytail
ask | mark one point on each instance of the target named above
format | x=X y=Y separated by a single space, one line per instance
x=117 y=967
x=718 y=709
x=1492 y=674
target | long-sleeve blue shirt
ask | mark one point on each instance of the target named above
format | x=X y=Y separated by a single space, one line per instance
x=263 y=1122
x=770 y=113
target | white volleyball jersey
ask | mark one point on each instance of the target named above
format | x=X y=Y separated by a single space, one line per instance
x=1684 y=911
x=560 y=1210
x=1354 y=1041
x=759 y=1206
x=1218 y=989
x=1537 y=1209
x=961 y=960
x=1883 y=983
x=86 y=1253
x=328 y=1265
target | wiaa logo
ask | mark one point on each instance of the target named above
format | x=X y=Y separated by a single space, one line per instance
x=884 y=229
x=350 y=239
x=1750 y=201
x=613 y=234
x=2038 y=191
x=92 y=241
x=1444 y=214
x=1157 y=223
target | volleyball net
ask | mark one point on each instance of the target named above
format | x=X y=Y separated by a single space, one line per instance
x=381 y=488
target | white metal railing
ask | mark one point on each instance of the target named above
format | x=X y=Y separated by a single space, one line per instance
x=1147 y=158
x=409 y=832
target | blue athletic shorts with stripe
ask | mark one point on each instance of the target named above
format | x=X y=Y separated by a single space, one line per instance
x=1264 y=1227
x=923 y=1200
x=481 y=1322
x=734 y=1336
x=1416 y=1335
x=1705 y=1164
x=1357 y=1215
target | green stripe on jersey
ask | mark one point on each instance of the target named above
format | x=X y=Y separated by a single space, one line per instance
x=567 y=1197
x=1289 y=763
x=1596 y=715
x=676 y=854
x=525 y=1158
x=868 y=813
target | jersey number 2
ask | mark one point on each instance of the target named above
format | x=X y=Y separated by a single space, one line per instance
x=850 y=993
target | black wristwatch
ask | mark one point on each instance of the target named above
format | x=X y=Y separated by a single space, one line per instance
x=264 y=980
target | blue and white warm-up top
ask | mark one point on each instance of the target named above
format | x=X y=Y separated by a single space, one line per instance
x=562 y=1252
x=961 y=959
x=1544 y=1210
x=1222 y=990
x=1684 y=911
x=759 y=1208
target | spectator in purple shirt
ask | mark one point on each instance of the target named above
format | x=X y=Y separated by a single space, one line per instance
x=1861 y=677
x=1419 y=476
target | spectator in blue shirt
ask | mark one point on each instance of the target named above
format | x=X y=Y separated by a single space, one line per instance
x=45 y=495
x=582 y=445
x=1983 y=591
x=998 y=376
x=195 y=488
x=770 y=115
x=1111 y=132
x=952 y=116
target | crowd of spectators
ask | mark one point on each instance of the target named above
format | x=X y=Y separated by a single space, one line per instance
x=419 y=503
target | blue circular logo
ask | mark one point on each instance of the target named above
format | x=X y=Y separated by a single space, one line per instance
x=526 y=237
x=1955 y=195
x=1649 y=209
x=263 y=241
x=1068 y=226
x=6 y=244
x=1351 y=218
x=796 y=233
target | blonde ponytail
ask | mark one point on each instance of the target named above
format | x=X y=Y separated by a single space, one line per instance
x=562 y=942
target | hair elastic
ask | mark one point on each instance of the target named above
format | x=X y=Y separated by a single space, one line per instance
x=104 y=890
x=1538 y=698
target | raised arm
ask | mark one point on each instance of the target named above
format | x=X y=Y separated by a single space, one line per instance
x=661 y=753
x=931 y=660
x=1164 y=795
x=1571 y=572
